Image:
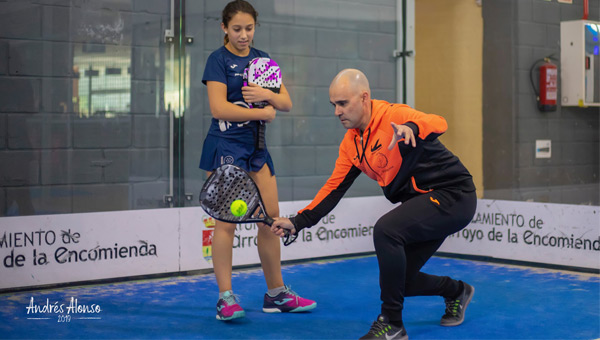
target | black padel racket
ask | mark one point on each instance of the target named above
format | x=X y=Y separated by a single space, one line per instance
x=229 y=183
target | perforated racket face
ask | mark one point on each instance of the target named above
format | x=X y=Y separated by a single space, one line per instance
x=264 y=72
x=227 y=184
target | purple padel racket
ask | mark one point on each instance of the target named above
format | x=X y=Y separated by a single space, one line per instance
x=265 y=73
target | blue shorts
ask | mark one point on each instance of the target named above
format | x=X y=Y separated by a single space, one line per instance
x=217 y=151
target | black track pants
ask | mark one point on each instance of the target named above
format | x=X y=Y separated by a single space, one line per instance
x=407 y=236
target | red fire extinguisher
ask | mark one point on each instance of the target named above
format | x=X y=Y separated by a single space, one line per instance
x=546 y=98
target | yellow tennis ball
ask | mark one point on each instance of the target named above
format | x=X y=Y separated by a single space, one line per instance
x=238 y=208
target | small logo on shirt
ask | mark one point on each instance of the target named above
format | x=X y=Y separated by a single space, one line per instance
x=434 y=200
x=381 y=160
x=227 y=160
x=233 y=66
x=376 y=147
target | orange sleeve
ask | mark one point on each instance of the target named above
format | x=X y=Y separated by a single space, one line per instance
x=429 y=126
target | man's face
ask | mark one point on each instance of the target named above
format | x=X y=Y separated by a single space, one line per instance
x=350 y=106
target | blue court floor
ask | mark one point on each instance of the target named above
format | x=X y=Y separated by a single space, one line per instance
x=509 y=303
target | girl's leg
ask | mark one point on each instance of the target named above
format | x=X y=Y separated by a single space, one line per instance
x=282 y=298
x=269 y=245
x=222 y=248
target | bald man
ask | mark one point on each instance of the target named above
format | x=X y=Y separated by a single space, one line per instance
x=398 y=147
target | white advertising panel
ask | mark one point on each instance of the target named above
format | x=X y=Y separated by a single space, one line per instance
x=557 y=234
x=347 y=229
x=39 y=250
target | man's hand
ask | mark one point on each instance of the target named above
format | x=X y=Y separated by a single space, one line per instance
x=280 y=224
x=402 y=131
x=254 y=93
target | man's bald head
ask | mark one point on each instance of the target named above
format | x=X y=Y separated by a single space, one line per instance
x=353 y=79
x=350 y=94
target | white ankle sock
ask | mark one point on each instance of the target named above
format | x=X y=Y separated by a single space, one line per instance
x=223 y=293
x=275 y=291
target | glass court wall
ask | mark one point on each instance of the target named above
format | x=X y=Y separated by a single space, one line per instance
x=102 y=106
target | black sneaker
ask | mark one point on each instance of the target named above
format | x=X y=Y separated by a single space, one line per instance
x=455 y=307
x=381 y=329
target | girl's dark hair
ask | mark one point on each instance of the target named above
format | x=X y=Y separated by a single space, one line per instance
x=232 y=9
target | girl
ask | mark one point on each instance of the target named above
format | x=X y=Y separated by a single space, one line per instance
x=233 y=138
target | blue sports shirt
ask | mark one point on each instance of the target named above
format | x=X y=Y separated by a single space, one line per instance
x=228 y=68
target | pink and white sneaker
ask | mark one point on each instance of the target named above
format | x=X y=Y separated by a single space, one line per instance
x=228 y=307
x=287 y=301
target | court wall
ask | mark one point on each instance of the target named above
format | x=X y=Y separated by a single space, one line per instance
x=516 y=35
x=74 y=248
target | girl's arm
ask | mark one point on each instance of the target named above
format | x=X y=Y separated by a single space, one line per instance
x=254 y=93
x=222 y=109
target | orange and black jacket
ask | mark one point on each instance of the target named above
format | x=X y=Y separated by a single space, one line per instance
x=403 y=172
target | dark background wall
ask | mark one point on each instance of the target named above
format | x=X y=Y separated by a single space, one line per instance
x=55 y=160
x=517 y=33
x=311 y=40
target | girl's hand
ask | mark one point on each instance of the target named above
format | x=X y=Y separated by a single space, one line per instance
x=269 y=112
x=254 y=93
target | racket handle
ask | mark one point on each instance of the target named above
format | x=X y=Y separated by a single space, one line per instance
x=260 y=139
x=289 y=238
x=268 y=220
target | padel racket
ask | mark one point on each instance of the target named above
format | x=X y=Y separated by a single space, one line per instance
x=229 y=183
x=265 y=73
